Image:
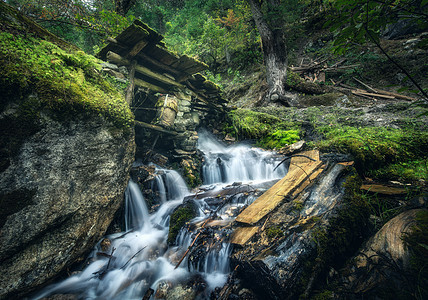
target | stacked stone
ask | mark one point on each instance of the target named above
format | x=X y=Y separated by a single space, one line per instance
x=185 y=124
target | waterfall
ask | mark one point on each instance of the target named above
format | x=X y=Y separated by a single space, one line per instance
x=229 y=164
x=125 y=265
x=136 y=212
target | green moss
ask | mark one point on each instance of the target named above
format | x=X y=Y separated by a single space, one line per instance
x=407 y=171
x=381 y=152
x=193 y=178
x=273 y=232
x=279 y=139
x=66 y=82
x=178 y=219
x=270 y=131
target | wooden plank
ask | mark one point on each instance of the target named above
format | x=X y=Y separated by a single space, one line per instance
x=158 y=64
x=113 y=57
x=347 y=163
x=276 y=194
x=308 y=181
x=137 y=48
x=149 y=86
x=383 y=189
x=161 y=54
x=243 y=234
x=154 y=127
x=298 y=160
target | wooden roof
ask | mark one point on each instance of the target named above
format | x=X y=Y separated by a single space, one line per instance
x=144 y=45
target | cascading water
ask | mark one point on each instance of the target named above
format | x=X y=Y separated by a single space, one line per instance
x=236 y=162
x=126 y=265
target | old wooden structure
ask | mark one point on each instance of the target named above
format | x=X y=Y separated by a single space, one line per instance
x=153 y=67
x=168 y=96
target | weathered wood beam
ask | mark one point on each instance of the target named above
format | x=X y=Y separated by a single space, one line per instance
x=130 y=91
x=116 y=58
x=159 y=64
x=137 y=48
x=150 y=86
x=154 y=127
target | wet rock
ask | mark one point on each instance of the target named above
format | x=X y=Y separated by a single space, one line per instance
x=284 y=245
x=67 y=181
x=181 y=215
x=382 y=266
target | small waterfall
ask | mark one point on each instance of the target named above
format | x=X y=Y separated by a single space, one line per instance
x=169 y=185
x=159 y=188
x=234 y=163
x=136 y=212
x=130 y=263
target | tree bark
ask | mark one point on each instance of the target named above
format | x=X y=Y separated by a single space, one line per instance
x=274 y=50
x=123 y=6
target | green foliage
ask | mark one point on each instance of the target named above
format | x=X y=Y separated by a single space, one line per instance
x=417 y=242
x=79 y=22
x=356 y=22
x=270 y=131
x=66 y=82
x=379 y=150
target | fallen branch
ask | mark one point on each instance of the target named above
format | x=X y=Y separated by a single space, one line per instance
x=133 y=257
x=191 y=245
x=289 y=157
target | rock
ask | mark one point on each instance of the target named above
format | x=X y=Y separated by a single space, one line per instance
x=284 y=242
x=290 y=149
x=66 y=181
x=382 y=265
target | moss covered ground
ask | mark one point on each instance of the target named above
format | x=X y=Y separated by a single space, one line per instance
x=388 y=143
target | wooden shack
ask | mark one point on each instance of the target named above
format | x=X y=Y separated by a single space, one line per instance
x=153 y=67
x=155 y=75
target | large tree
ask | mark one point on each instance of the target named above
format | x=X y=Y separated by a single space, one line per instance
x=267 y=16
x=123 y=6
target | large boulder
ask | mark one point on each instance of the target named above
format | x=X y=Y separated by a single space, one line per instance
x=383 y=266
x=58 y=196
x=66 y=148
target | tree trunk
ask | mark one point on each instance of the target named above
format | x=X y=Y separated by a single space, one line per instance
x=274 y=50
x=123 y=6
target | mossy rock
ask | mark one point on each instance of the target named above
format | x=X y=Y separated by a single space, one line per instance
x=181 y=215
x=67 y=81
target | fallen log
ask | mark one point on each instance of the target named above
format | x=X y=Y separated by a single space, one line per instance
x=359 y=93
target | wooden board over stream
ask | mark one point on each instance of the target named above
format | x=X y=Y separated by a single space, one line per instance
x=298 y=172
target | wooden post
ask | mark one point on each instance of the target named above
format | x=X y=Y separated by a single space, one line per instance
x=130 y=91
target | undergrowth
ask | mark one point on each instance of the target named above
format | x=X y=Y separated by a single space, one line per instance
x=270 y=132
x=65 y=82
x=383 y=153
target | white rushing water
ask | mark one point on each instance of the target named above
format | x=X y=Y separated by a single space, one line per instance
x=236 y=163
x=125 y=265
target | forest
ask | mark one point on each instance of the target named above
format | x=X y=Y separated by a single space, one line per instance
x=214 y=149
